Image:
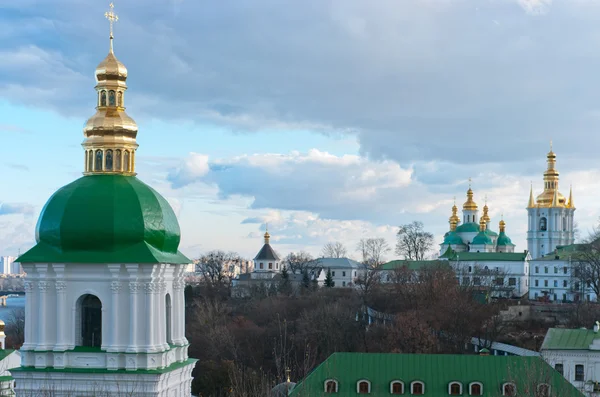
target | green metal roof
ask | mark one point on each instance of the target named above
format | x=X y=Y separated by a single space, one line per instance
x=490 y=233
x=482 y=238
x=484 y=256
x=470 y=227
x=569 y=339
x=563 y=252
x=106 y=219
x=503 y=239
x=413 y=265
x=453 y=239
x=436 y=371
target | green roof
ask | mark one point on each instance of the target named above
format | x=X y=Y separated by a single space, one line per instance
x=482 y=238
x=503 y=239
x=470 y=227
x=412 y=265
x=106 y=219
x=4 y=353
x=563 y=252
x=453 y=239
x=569 y=339
x=484 y=256
x=158 y=371
x=490 y=232
x=436 y=371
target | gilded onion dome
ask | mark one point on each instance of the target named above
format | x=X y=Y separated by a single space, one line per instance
x=470 y=204
x=454 y=218
x=486 y=216
x=110 y=134
x=551 y=197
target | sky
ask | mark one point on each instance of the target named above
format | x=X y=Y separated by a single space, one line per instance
x=332 y=120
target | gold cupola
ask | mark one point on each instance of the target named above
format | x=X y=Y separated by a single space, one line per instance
x=551 y=197
x=110 y=134
x=454 y=218
x=470 y=204
x=486 y=216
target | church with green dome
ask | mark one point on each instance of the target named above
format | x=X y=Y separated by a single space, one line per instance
x=105 y=310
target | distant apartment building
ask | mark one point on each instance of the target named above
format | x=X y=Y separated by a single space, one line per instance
x=8 y=265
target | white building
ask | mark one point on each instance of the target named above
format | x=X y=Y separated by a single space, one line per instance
x=550 y=216
x=575 y=353
x=344 y=271
x=105 y=310
x=8 y=265
x=266 y=271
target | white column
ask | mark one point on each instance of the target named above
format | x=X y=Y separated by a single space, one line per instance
x=30 y=319
x=62 y=342
x=151 y=316
x=43 y=318
x=116 y=286
x=134 y=288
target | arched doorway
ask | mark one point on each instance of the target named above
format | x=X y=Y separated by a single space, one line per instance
x=168 y=318
x=91 y=321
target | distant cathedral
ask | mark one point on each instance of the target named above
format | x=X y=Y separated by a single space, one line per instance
x=550 y=215
x=475 y=234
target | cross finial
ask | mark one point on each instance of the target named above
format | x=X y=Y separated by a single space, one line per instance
x=267 y=227
x=112 y=18
x=469 y=182
x=550 y=144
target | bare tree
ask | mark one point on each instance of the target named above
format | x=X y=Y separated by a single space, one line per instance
x=334 y=250
x=373 y=251
x=413 y=242
x=300 y=262
x=15 y=327
x=219 y=267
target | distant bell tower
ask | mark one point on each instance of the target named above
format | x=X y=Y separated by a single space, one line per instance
x=550 y=215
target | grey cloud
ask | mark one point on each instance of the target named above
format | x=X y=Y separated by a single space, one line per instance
x=465 y=82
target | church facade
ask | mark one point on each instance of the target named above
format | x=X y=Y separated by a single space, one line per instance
x=105 y=311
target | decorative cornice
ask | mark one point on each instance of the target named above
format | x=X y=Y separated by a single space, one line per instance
x=134 y=287
x=43 y=286
x=116 y=286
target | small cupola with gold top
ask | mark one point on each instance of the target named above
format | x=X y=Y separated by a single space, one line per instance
x=110 y=134
x=551 y=197
x=470 y=209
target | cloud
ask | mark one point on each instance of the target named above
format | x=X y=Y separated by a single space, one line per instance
x=9 y=128
x=413 y=80
x=20 y=167
x=193 y=168
x=16 y=208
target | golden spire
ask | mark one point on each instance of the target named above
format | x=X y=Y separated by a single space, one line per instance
x=531 y=203
x=486 y=216
x=454 y=218
x=482 y=225
x=571 y=204
x=267 y=235
x=547 y=198
x=470 y=204
x=110 y=134
x=502 y=224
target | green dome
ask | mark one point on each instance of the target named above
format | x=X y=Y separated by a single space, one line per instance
x=491 y=233
x=481 y=238
x=453 y=239
x=503 y=239
x=470 y=227
x=106 y=219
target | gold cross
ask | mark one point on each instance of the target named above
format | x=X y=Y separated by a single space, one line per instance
x=112 y=18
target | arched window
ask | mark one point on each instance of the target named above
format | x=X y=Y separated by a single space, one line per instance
x=112 y=99
x=98 y=165
x=109 y=160
x=543 y=390
x=331 y=386
x=543 y=224
x=455 y=389
x=476 y=389
x=119 y=99
x=118 y=160
x=363 y=387
x=168 y=318
x=90 y=320
x=509 y=389
x=126 y=160
x=90 y=161
x=103 y=98
x=417 y=388
x=396 y=387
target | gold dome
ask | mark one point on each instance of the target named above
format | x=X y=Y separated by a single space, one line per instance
x=502 y=225
x=454 y=218
x=267 y=237
x=110 y=134
x=486 y=216
x=551 y=197
x=482 y=225
x=470 y=204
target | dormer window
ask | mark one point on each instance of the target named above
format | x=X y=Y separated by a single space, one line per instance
x=396 y=387
x=543 y=390
x=363 y=387
x=455 y=389
x=509 y=389
x=331 y=386
x=476 y=389
x=417 y=388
